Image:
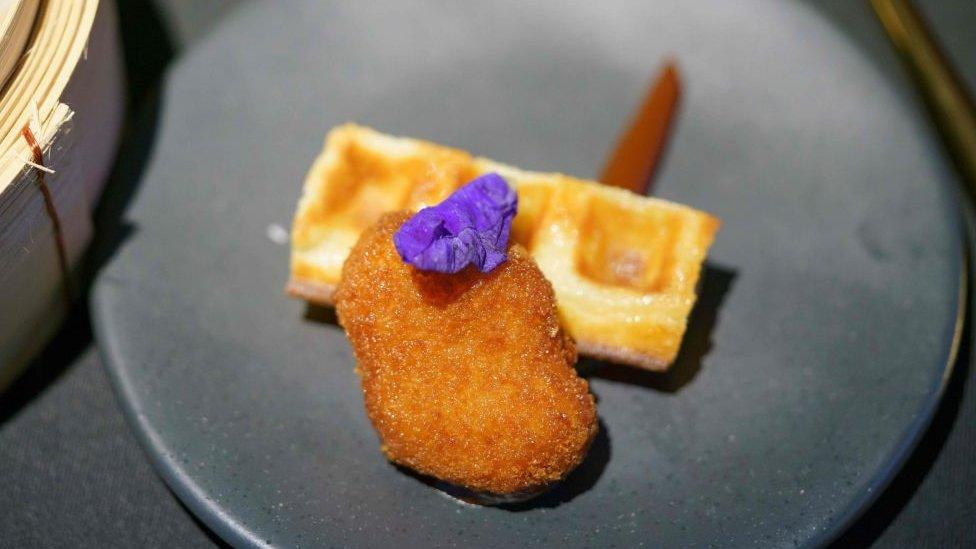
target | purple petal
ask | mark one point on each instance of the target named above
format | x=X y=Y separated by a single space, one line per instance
x=470 y=227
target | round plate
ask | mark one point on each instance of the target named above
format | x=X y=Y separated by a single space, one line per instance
x=813 y=360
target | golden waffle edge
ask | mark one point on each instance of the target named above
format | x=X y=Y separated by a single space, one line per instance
x=624 y=267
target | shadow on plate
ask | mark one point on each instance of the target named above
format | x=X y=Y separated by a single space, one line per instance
x=716 y=284
x=321 y=314
x=580 y=480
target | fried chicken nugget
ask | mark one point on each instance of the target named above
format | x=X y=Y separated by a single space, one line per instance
x=467 y=377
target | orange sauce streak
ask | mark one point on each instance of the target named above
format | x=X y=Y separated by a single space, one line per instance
x=631 y=164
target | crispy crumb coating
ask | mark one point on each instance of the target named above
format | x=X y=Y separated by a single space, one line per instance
x=468 y=378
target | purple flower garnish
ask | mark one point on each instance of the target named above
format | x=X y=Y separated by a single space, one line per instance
x=469 y=227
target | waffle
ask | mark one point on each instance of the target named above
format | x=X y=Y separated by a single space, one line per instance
x=624 y=267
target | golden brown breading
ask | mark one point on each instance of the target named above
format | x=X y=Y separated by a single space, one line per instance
x=468 y=378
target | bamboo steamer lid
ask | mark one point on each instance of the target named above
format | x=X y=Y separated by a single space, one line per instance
x=65 y=83
x=16 y=21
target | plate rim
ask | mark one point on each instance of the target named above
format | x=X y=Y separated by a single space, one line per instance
x=237 y=534
x=912 y=435
x=180 y=482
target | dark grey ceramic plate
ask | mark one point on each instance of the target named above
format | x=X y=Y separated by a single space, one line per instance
x=813 y=360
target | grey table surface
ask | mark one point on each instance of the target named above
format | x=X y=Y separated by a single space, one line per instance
x=73 y=475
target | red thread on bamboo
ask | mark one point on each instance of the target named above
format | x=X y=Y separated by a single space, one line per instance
x=52 y=212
